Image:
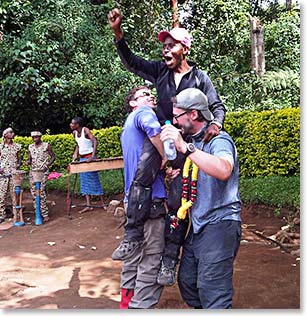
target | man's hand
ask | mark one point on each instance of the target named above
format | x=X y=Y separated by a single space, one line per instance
x=211 y=132
x=172 y=173
x=115 y=20
x=90 y=159
x=170 y=131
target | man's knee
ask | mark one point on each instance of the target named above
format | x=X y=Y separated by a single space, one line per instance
x=215 y=284
x=216 y=294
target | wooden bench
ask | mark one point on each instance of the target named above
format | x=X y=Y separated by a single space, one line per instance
x=76 y=167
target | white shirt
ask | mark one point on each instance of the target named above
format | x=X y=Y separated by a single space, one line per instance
x=85 y=144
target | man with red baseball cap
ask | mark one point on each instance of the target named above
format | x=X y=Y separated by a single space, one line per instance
x=174 y=74
x=178 y=34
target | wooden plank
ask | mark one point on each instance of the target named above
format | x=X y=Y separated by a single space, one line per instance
x=96 y=165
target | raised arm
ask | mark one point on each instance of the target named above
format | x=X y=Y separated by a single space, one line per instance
x=115 y=20
x=217 y=167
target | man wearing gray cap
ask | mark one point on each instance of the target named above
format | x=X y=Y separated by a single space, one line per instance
x=206 y=267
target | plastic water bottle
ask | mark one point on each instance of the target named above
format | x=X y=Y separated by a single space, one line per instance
x=169 y=146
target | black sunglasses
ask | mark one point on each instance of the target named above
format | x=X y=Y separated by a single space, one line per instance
x=144 y=94
x=178 y=115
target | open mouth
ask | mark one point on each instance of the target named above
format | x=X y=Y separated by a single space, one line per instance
x=167 y=58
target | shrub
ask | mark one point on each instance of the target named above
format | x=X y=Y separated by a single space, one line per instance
x=268 y=142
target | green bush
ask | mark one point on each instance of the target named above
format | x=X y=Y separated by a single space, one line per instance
x=268 y=142
x=63 y=146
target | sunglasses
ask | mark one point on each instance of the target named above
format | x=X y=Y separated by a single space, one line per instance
x=144 y=94
x=178 y=115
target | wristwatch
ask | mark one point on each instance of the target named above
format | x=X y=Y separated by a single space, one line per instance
x=190 y=149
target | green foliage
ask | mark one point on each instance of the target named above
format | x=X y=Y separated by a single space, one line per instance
x=142 y=22
x=282 y=42
x=108 y=142
x=274 y=191
x=268 y=143
x=58 y=59
x=112 y=182
x=63 y=146
x=274 y=90
x=61 y=66
x=280 y=80
x=221 y=34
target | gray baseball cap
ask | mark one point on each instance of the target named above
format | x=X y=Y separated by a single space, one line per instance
x=193 y=99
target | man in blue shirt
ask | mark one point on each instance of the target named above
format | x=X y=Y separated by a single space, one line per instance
x=145 y=225
x=206 y=267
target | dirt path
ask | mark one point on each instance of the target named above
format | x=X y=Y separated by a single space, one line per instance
x=66 y=264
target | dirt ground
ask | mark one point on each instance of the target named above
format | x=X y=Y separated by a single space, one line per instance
x=66 y=263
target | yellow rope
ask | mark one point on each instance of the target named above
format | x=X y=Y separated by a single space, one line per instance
x=186 y=205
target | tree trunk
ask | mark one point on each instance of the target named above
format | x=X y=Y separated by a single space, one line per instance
x=288 y=5
x=175 y=13
x=257 y=46
x=1 y=32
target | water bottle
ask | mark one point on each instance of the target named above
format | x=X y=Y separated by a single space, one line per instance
x=169 y=147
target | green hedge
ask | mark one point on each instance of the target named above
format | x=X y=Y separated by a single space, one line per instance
x=63 y=146
x=268 y=143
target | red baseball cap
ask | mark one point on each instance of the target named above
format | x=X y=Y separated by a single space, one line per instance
x=178 y=34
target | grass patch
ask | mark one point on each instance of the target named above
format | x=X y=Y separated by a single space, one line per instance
x=274 y=191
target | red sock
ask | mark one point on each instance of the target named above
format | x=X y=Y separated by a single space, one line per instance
x=126 y=296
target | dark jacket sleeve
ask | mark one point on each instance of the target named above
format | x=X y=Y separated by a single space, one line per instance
x=148 y=70
x=216 y=105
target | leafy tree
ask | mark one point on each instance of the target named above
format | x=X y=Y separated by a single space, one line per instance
x=222 y=46
x=58 y=59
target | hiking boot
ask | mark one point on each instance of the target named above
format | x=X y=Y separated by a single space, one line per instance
x=166 y=276
x=126 y=249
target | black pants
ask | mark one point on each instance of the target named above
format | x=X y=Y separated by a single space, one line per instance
x=139 y=207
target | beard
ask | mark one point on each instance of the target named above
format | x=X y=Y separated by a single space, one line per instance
x=186 y=129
